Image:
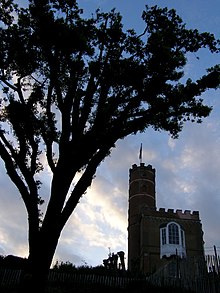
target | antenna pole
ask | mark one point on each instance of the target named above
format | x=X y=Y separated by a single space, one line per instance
x=140 y=154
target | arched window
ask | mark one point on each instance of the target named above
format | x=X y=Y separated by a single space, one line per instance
x=164 y=238
x=173 y=232
x=172 y=240
x=144 y=188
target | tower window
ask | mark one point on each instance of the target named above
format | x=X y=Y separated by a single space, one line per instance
x=172 y=240
x=144 y=188
x=182 y=238
x=173 y=231
x=164 y=241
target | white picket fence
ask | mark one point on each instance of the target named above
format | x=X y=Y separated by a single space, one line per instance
x=86 y=279
x=10 y=277
x=210 y=284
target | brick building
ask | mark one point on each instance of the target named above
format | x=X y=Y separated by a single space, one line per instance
x=157 y=235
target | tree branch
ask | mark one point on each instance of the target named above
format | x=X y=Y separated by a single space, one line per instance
x=83 y=183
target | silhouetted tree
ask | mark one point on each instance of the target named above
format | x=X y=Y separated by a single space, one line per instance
x=64 y=267
x=14 y=262
x=71 y=87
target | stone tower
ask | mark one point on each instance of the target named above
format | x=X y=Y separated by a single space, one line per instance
x=141 y=195
x=155 y=236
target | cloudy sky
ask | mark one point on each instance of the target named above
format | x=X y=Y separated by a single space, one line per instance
x=187 y=169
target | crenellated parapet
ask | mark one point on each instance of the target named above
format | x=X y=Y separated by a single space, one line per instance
x=170 y=213
x=142 y=165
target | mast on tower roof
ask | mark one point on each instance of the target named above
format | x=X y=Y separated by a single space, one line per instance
x=140 y=154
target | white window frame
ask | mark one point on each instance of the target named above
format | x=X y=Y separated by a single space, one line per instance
x=172 y=244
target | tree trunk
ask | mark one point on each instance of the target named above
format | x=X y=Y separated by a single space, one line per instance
x=35 y=276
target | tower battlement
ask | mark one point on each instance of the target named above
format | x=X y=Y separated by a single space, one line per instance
x=148 y=167
x=162 y=212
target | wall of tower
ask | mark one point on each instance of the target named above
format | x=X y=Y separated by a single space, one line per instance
x=141 y=194
x=145 y=220
x=151 y=220
x=141 y=187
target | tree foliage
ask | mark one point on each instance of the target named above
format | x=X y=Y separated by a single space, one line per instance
x=71 y=87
